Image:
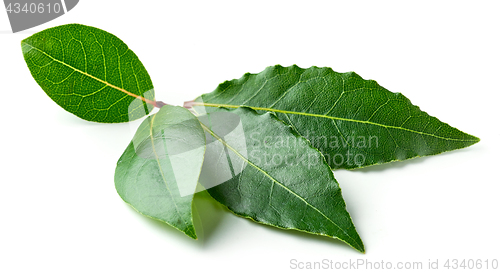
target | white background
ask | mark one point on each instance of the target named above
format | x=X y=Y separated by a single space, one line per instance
x=59 y=211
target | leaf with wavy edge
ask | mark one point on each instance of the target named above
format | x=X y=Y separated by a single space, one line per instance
x=352 y=121
x=298 y=192
x=158 y=172
x=90 y=73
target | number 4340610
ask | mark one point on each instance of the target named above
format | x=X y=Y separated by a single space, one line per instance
x=471 y=264
x=34 y=8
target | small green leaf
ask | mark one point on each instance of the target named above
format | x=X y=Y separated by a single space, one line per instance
x=352 y=121
x=158 y=172
x=90 y=73
x=278 y=178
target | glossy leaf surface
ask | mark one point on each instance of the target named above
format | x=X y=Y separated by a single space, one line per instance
x=279 y=179
x=90 y=73
x=158 y=172
x=352 y=121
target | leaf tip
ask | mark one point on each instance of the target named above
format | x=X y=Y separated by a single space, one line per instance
x=471 y=139
x=362 y=250
x=190 y=231
x=359 y=246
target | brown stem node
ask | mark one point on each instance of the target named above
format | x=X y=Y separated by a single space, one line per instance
x=160 y=104
x=189 y=104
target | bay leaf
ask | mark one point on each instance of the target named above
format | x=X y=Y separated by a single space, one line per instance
x=352 y=121
x=159 y=170
x=278 y=178
x=90 y=73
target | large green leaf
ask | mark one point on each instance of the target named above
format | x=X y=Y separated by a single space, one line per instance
x=158 y=172
x=352 y=121
x=278 y=178
x=90 y=73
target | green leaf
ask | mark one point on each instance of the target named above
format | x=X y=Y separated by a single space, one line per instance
x=90 y=73
x=158 y=172
x=278 y=178
x=352 y=121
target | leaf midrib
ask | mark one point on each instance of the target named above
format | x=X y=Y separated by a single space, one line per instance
x=161 y=170
x=332 y=118
x=278 y=183
x=93 y=77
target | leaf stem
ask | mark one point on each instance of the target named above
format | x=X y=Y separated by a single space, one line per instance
x=189 y=104
x=159 y=104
